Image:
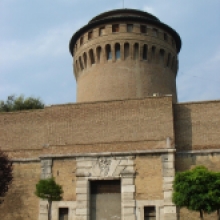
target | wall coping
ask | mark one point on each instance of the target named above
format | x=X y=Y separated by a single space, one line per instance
x=210 y=151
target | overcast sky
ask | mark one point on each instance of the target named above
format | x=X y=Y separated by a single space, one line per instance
x=34 y=39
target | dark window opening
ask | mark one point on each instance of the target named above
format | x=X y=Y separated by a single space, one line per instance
x=91 y=56
x=81 y=64
x=63 y=213
x=155 y=32
x=126 y=51
x=165 y=36
x=105 y=186
x=129 y=27
x=108 y=52
x=115 y=28
x=90 y=34
x=81 y=40
x=145 y=52
x=136 y=51
x=98 y=51
x=143 y=29
x=117 y=51
x=101 y=31
x=149 y=213
x=162 y=56
x=85 y=59
x=153 y=51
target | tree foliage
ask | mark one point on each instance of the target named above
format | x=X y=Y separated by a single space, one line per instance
x=51 y=191
x=197 y=190
x=5 y=174
x=20 y=103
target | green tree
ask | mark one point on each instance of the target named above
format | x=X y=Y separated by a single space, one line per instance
x=20 y=103
x=197 y=190
x=5 y=174
x=48 y=189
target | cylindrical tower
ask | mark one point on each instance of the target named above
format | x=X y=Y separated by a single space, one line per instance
x=123 y=54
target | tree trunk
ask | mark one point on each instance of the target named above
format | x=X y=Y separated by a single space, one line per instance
x=201 y=214
x=218 y=214
x=49 y=209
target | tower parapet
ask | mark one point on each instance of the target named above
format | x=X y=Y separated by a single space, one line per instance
x=123 y=54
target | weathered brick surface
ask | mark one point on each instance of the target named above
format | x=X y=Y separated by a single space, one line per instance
x=137 y=120
x=22 y=130
x=20 y=202
x=197 y=125
x=64 y=171
x=149 y=180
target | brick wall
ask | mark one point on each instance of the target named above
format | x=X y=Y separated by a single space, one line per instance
x=149 y=180
x=20 y=202
x=197 y=125
x=149 y=120
x=64 y=171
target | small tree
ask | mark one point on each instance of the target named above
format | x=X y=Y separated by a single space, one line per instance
x=198 y=190
x=5 y=174
x=48 y=189
x=20 y=103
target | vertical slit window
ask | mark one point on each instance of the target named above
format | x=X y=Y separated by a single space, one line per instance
x=162 y=56
x=115 y=28
x=153 y=53
x=136 y=51
x=144 y=52
x=108 y=52
x=165 y=37
x=90 y=34
x=81 y=40
x=80 y=63
x=91 y=56
x=155 y=32
x=117 y=51
x=101 y=31
x=85 y=59
x=126 y=50
x=168 y=60
x=149 y=213
x=129 y=27
x=143 y=29
x=98 y=52
x=76 y=66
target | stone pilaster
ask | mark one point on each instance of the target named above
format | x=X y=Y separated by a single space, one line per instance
x=46 y=168
x=168 y=160
x=128 y=195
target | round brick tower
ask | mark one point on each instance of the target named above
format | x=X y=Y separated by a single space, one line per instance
x=125 y=54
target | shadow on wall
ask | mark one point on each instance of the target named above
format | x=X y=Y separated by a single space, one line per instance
x=183 y=138
x=183 y=128
x=13 y=205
